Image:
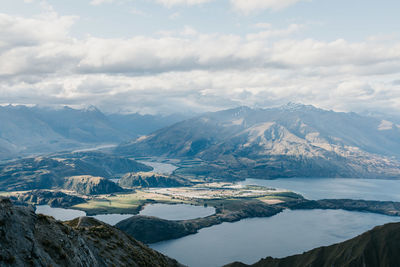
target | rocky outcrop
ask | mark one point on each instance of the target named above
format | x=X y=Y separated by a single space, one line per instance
x=51 y=198
x=378 y=247
x=28 y=239
x=151 y=179
x=89 y=185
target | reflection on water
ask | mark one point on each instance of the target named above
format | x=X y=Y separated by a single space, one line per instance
x=177 y=212
x=287 y=233
x=320 y=188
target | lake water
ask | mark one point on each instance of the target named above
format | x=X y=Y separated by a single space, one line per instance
x=288 y=233
x=112 y=219
x=70 y=214
x=164 y=211
x=160 y=168
x=59 y=213
x=368 y=189
x=177 y=212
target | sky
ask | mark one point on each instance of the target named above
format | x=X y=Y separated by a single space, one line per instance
x=191 y=56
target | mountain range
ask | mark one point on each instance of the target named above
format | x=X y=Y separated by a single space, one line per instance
x=31 y=130
x=293 y=140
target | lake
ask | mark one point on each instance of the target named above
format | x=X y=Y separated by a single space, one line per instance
x=164 y=211
x=160 y=168
x=177 y=212
x=70 y=214
x=287 y=233
x=59 y=213
x=320 y=188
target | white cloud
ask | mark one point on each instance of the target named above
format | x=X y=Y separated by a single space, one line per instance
x=190 y=70
x=270 y=33
x=248 y=6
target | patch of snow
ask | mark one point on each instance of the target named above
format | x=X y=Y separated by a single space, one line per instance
x=385 y=125
x=238 y=122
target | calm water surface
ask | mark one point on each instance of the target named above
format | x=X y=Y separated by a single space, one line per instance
x=177 y=212
x=164 y=211
x=320 y=188
x=59 y=213
x=112 y=219
x=160 y=168
x=287 y=233
x=70 y=214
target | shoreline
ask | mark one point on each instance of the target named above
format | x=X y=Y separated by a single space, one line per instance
x=152 y=229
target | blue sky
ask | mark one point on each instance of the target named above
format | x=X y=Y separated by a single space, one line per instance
x=165 y=56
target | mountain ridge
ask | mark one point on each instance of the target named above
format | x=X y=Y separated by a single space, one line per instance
x=31 y=130
x=297 y=139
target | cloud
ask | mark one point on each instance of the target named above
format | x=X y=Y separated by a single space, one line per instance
x=270 y=32
x=248 y=6
x=191 y=71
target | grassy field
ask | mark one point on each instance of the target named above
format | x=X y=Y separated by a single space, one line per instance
x=123 y=203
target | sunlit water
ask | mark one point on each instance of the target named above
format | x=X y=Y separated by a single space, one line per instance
x=311 y=188
x=287 y=233
x=177 y=212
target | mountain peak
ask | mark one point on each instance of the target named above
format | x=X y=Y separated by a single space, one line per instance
x=92 y=108
x=297 y=106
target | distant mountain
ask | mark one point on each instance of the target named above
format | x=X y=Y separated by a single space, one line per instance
x=378 y=247
x=29 y=239
x=292 y=140
x=29 y=130
x=137 y=125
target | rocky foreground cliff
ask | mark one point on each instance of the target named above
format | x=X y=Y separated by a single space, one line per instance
x=378 y=247
x=28 y=239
